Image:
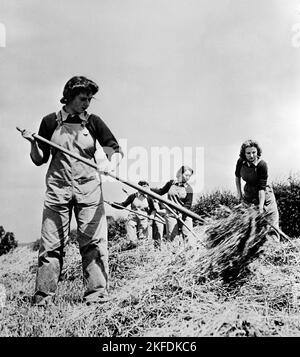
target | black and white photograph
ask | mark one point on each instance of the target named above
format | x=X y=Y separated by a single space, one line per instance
x=150 y=171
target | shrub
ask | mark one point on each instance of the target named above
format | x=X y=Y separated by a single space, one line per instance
x=2 y=233
x=8 y=241
x=116 y=228
x=288 y=201
x=35 y=245
x=208 y=204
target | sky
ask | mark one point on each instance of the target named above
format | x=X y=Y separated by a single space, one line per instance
x=191 y=79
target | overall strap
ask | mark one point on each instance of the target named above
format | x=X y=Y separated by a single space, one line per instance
x=59 y=119
x=86 y=119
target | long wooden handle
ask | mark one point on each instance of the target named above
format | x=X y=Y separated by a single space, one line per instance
x=66 y=151
x=181 y=220
x=137 y=187
x=135 y=212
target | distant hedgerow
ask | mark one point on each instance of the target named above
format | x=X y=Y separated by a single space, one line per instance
x=35 y=246
x=7 y=241
x=288 y=201
x=208 y=204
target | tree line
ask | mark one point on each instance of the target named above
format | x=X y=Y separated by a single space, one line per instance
x=7 y=241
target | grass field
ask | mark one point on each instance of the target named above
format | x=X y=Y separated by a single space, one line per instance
x=157 y=293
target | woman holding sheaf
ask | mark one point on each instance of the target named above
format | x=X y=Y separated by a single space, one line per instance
x=254 y=171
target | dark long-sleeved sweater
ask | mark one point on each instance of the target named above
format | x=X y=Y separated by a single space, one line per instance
x=96 y=126
x=255 y=176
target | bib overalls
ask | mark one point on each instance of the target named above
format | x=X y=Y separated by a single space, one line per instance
x=181 y=194
x=73 y=185
x=137 y=226
x=174 y=227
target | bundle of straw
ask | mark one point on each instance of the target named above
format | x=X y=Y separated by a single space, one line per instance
x=233 y=243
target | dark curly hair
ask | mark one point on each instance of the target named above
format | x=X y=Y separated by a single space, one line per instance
x=249 y=144
x=77 y=85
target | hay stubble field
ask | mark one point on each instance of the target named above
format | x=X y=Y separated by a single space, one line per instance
x=158 y=293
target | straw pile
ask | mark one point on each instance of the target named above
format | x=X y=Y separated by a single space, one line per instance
x=151 y=288
x=225 y=248
x=232 y=243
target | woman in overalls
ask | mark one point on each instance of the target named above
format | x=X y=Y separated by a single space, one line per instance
x=254 y=171
x=158 y=227
x=74 y=186
x=180 y=192
x=137 y=225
